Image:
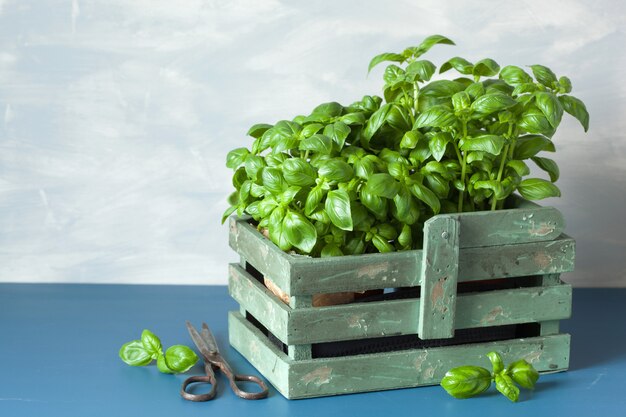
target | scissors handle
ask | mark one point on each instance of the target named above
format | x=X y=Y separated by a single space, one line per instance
x=247 y=395
x=209 y=378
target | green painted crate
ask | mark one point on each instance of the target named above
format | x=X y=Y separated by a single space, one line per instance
x=494 y=276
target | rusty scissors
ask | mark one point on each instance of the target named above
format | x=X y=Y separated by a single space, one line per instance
x=213 y=360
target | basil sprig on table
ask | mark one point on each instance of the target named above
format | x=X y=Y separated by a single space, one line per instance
x=346 y=180
x=176 y=359
x=469 y=381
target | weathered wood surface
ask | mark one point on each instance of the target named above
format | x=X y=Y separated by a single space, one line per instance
x=260 y=252
x=301 y=326
x=439 y=278
x=549 y=327
x=403 y=269
x=408 y=368
x=301 y=351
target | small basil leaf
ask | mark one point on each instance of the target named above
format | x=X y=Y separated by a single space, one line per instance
x=405 y=239
x=423 y=68
x=490 y=103
x=135 y=354
x=151 y=343
x=533 y=120
x=256 y=131
x=376 y=121
x=311 y=129
x=180 y=358
x=299 y=172
x=519 y=167
x=253 y=166
x=331 y=249
x=496 y=362
x=461 y=101
x=524 y=88
x=230 y=210
x=410 y=139
x=438 y=144
x=537 y=189
x=441 y=89
x=466 y=381
x=514 y=76
x=565 y=85
x=492 y=144
x=429 y=42
x=299 y=231
x=313 y=199
x=236 y=157
x=336 y=170
x=356 y=118
x=576 y=108
x=328 y=110
x=426 y=196
x=320 y=144
x=162 y=365
x=548 y=165
x=374 y=203
x=486 y=67
x=507 y=387
x=387 y=56
x=436 y=116
x=523 y=373
x=273 y=180
x=544 y=75
x=277 y=231
x=550 y=106
x=382 y=244
x=405 y=207
x=338 y=132
x=338 y=209
x=460 y=64
x=530 y=145
x=383 y=185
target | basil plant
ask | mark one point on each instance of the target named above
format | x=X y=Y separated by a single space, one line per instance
x=362 y=178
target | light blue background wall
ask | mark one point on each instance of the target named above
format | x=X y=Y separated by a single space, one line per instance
x=116 y=117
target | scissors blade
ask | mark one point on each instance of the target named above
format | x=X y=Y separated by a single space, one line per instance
x=200 y=342
x=209 y=338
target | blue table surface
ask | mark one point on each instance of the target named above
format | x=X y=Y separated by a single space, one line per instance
x=59 y=356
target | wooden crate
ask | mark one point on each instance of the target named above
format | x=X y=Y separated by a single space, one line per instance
x=484 y=281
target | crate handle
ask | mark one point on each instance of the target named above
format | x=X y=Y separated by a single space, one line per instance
x=440 y=266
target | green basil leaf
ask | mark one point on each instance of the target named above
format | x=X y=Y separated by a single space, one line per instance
x=382 y=244
x=544 y=75
x=429 y=42
x=320 y=144
x=253 y=166
x=519 y=167
x=537 y=189
x=438 y=143
x=486 y=67
x=405 y=239
x=393 y=74
x=236 y=157
x=405 y=207
x=576 y=108
x=230 y=210
x=533 y=120
x=492 y=185
x=549 y=166
x=313 y=199
x=529 y=145
x=135 y=354
x=377 y=205
x=151 y=343
x=436 y=116
x=364 y=168
x=328 y=110
x=410 y=139
x=330 y=250
x=524 y=88
x=460 y=64
x=441 y=89
x=383 y=185
x=376 y=121
x=475 y=90
x=311 y=129
x=298 y=172
x=426 y=196
x=523 y=373
x=420 y=153
x=424 y=69
x=336 y=170
x=180 y=358
x=565 y=85
x=438 y=185
x=289 y=194
x=514 y=76
x=550 y=106
x=461 y=101
x=356 y=118
x=277 y=231
x=284 y=136
x=275 y=160
x=338 y=209
x=491 y=103
x=507 y=387
x=256 y=131
x=496 y=362
x=385 y=57
x=492 y=144
x=162 y=365
x=267 y=205
x=299 y=231
x=398 y=118
x=273 y=180
x=338 y=132
x=466 y=381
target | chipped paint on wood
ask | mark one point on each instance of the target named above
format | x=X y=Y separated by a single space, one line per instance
x=318 y=376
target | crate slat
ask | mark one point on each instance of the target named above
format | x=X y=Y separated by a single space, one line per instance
x=439 y=278
x=389 y=370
